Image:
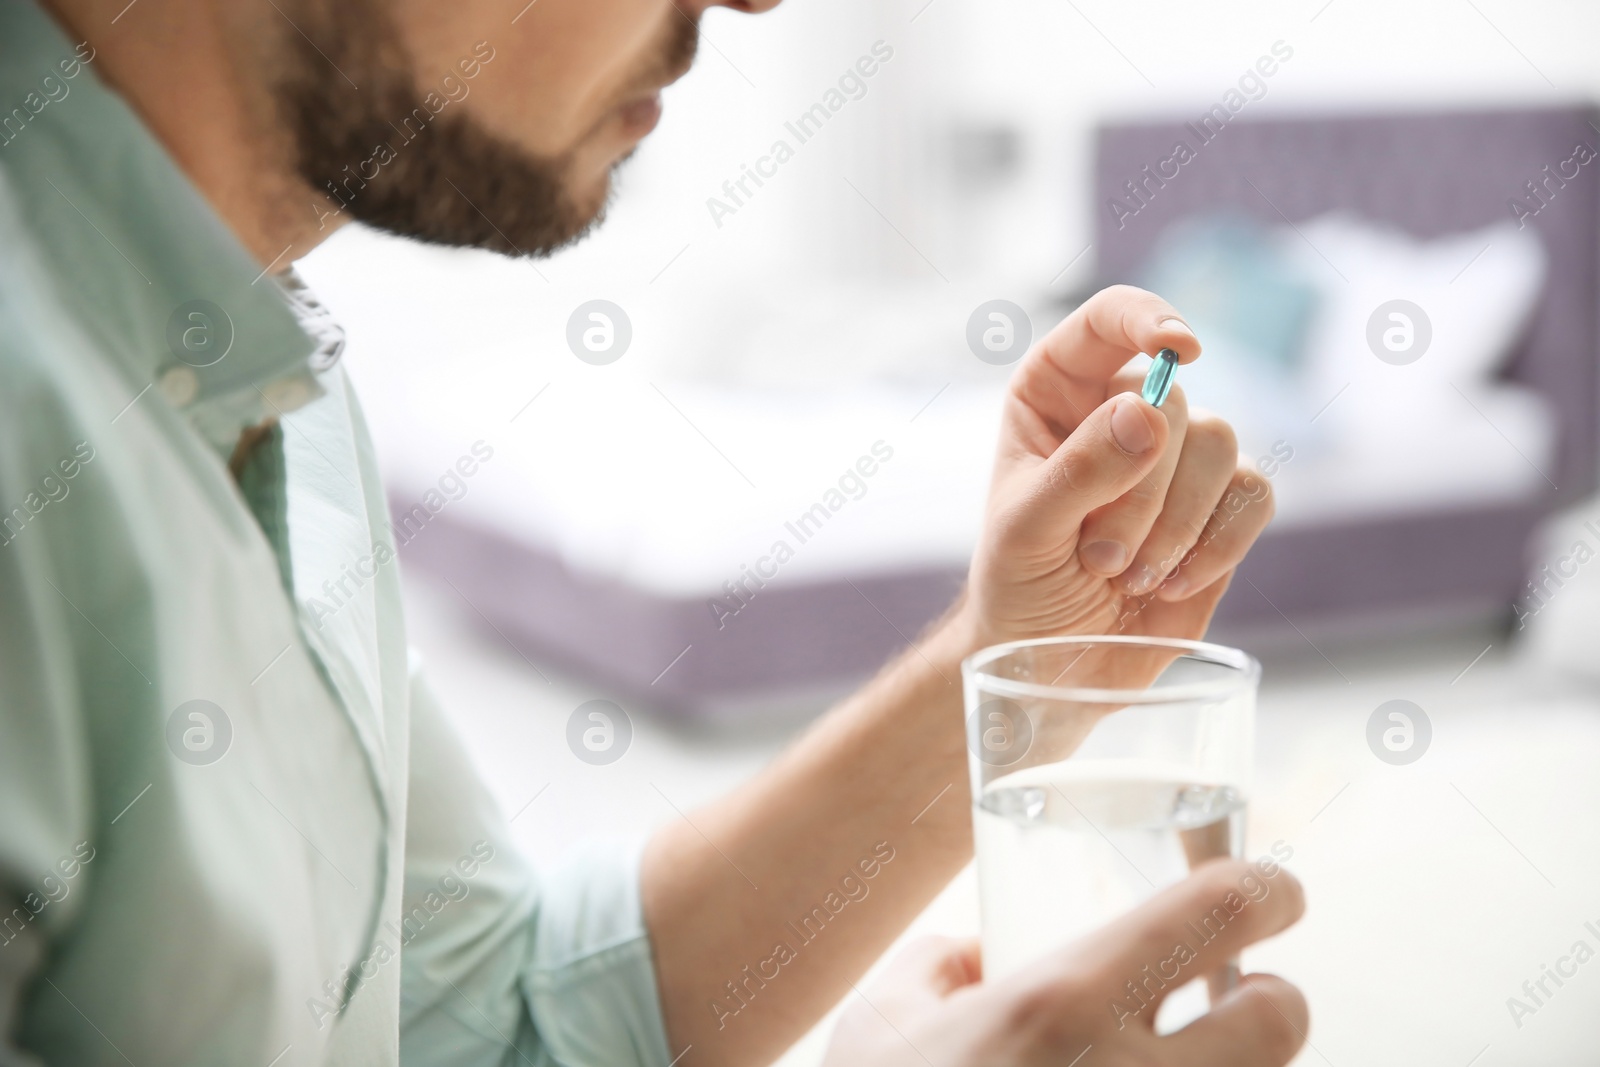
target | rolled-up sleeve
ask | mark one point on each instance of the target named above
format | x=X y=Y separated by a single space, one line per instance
x=503 y=966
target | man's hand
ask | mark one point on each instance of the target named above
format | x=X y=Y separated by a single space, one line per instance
x=1084 y=466
x=1107 y=515
x=929 y=1010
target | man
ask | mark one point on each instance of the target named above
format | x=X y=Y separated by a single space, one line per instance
x=233 y=831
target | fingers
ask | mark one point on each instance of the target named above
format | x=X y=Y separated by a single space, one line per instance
x=1064 y=377
x=1262 y=1023
x=914 y=984
x=1194 y=927
x=1112 y=535
x=926 y=972
x=1201 y=477
x=1243 y=511
x=1114 y=449
x=1113 y=325
x=940 y=965
x=1149 y=615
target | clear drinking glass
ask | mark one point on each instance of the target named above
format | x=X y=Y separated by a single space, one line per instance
x=1103 y=769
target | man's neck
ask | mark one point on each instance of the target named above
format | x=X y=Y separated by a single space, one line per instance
x=179 y=65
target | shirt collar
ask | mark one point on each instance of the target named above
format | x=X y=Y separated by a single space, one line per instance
x=134 y=249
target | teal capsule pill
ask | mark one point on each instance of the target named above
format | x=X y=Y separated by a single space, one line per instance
x=1158 y=383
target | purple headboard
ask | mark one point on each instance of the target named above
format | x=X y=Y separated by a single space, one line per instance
x=1427 y=174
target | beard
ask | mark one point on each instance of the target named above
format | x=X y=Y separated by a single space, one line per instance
x=433 y=173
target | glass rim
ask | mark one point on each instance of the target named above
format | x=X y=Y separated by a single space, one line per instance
x=1246 y=668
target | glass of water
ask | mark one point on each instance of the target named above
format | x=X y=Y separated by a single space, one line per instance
x=1103 y=770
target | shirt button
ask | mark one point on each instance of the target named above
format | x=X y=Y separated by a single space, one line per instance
x=286 y=395
x=180 y=385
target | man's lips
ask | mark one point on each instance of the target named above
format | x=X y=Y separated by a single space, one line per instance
x=641 y=116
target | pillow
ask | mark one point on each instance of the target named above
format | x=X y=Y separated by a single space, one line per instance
x=1231 y=279
x=1250 y=303
x=1467 y=297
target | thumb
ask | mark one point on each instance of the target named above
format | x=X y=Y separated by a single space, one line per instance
x=1110 y=452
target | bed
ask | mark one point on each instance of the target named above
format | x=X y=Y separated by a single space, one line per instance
x=626 y=594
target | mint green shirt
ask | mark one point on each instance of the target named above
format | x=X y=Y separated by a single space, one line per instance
x=232 y=831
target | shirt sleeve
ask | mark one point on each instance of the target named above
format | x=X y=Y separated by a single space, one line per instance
x=498 y=965
x=45 y=799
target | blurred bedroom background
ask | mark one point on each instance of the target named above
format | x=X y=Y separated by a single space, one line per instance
x=1384 y=223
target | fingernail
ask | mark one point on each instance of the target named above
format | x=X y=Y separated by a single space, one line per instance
x=1175 y=324
x=1130 y=428
x=1174 y=588
x=1142 y=580
x=1106 y=557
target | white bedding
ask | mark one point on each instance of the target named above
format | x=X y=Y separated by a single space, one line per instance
x=674 y=486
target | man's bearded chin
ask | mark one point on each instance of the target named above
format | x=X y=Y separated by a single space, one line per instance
x=382 y=156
